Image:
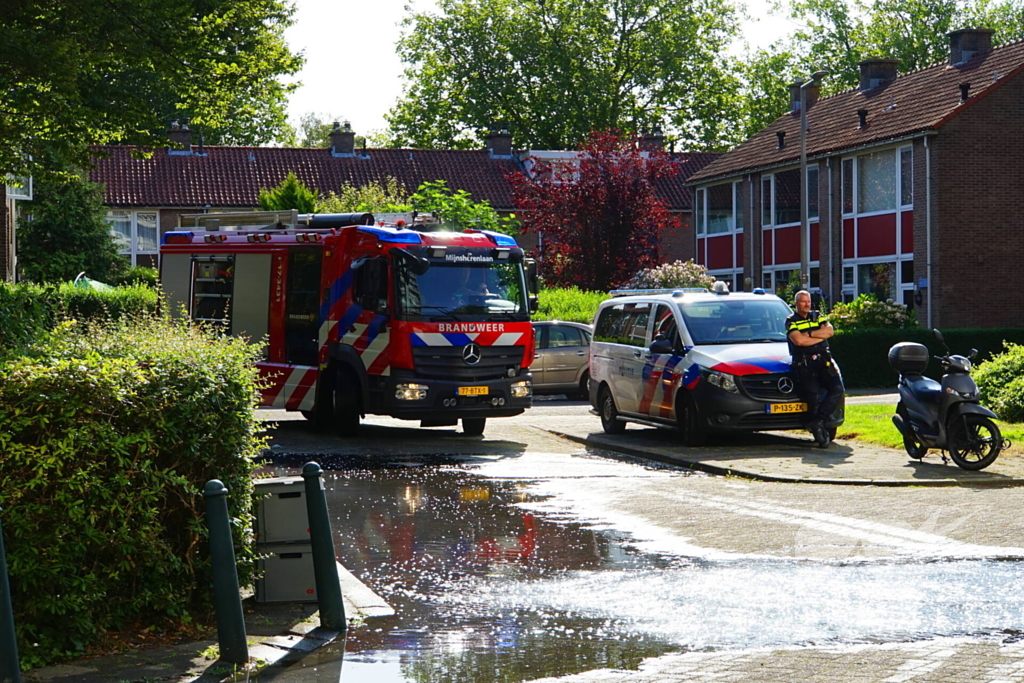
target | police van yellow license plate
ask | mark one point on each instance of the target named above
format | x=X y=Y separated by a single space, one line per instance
x=472 y=391
x=776 y=408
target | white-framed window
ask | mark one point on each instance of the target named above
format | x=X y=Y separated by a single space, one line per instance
x=877 y=182
x=782 y=280
x=718 y=209
x=888 y=279
x=780 y=203
x=136 y=234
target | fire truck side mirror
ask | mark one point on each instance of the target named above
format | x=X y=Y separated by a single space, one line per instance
x=416 y=264
x=532 y=285
x=371 y=284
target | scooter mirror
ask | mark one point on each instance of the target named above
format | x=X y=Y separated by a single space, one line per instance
x=971 y=356
x=938 y=336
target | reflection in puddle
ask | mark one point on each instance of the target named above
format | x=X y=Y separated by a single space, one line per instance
x=486 y=590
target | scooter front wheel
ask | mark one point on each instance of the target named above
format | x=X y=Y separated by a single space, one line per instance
x=974 y=441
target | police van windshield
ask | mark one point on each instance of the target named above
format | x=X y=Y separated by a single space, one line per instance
x=731 y=321
x=448 y=291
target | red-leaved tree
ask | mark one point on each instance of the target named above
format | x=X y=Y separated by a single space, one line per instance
x=599 y=215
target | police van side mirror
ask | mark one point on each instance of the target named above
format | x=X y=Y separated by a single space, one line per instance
x=661 y=346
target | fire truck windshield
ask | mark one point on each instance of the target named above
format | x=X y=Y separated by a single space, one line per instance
x=463 y=291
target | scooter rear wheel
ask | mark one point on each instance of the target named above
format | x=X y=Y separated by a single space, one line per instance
x=915 y=449
x=974 y=441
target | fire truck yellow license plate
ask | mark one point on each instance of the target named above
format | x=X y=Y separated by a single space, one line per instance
x=774 y=408
x=472 y=391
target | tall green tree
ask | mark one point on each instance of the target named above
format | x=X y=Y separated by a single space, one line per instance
x=458 y=210
x=63 y=232
x=556 y=70
x=292 y=193
x=836 y=35
x=79 y=72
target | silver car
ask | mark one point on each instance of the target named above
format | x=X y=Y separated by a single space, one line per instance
x=563 y=358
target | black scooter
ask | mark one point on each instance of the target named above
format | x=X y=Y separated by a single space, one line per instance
x=944 y=415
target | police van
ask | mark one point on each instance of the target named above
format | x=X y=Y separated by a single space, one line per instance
x=695 y=360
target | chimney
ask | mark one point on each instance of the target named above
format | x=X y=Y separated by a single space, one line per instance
x=343 y=140
x=968 y=43
x=180 y=136
x=499 y=142
x=653 y=141
x=877 y=73
x=794 y=96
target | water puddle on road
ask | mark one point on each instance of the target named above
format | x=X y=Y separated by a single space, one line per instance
x=487 y=590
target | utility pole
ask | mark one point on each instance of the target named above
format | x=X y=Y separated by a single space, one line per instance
x=805 y=268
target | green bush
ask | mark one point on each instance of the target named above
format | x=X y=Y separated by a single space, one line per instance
x=108 y=433
x=136 y=275
x=570 y=303
x=863 y=354
x=1001 y=381
x=867 y=313
x=27 y=310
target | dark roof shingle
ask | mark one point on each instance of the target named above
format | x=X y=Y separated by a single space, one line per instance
x=915 y=102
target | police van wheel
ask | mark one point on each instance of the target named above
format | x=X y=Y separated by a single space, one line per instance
x=610 y=414
x=347 y=404
x=688 y=421
x=473 y=426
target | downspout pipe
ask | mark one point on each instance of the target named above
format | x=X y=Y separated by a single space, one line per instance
x=928 y=224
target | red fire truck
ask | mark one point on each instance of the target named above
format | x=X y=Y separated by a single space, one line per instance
x=360 y=317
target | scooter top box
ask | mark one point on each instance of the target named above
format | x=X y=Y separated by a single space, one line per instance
x=908 y=357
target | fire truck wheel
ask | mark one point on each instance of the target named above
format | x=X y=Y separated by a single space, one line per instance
x=346 y=405
x=473 y=426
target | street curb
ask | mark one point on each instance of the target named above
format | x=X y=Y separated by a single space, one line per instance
x=757 y=476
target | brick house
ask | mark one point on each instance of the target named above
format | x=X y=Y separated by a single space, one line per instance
x=145 y=196
x=914 y=180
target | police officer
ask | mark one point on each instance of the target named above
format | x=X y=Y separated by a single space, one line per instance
x=813 y=367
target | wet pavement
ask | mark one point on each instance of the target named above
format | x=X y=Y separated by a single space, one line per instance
x=525 y=555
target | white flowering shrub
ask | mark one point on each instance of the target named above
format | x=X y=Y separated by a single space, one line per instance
x=672 y=275
x=867 y=312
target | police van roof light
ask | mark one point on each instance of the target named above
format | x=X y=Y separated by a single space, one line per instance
x=720 y=287
x=642 y=292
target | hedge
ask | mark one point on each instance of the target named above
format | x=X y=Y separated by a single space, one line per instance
x=570 y=304
x=863 y=354
x=108 y=433
x=27 y=311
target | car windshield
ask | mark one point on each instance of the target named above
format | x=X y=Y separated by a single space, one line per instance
x=456 y=290
x=729 y=321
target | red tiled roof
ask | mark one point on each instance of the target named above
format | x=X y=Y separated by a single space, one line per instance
x=915 y=102
x=233 y=176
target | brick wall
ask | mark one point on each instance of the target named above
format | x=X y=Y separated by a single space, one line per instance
x=978 y=215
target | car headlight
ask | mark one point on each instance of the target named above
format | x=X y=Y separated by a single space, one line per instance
x=522 y=389
x=722 y=380
x=410 y=392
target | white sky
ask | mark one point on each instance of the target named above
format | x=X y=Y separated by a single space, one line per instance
x=352 y=72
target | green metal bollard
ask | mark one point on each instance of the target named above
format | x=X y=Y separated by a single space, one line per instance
x=325 y=570
x=227 y=601
x=10 y=669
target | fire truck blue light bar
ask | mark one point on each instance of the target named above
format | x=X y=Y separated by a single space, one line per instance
x=396 y=236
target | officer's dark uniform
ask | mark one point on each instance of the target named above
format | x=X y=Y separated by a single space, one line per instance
x=814 y=372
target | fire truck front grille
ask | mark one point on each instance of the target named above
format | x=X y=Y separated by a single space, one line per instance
x=446 y=362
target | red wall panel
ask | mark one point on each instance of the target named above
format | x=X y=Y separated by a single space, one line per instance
x=720 y=252
x=848 y=238
x=876 y=235
x=740 y=257
x=701 y=256
x=766 y=247
x=814 y=249
x=787 y=245
x=907 y=232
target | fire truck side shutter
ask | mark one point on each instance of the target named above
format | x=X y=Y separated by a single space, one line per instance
x=251 y=306
x=176 y=281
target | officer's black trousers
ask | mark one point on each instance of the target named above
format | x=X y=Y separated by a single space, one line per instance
x=820 y=386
